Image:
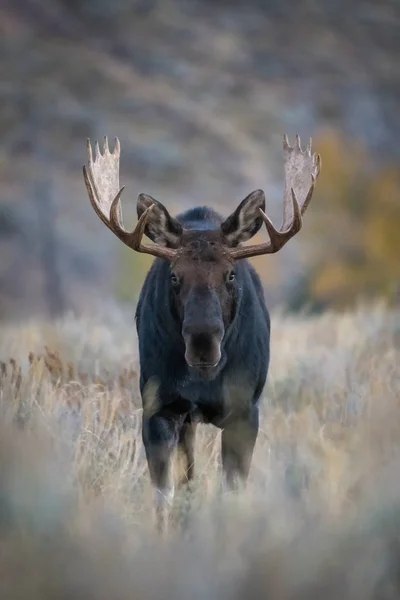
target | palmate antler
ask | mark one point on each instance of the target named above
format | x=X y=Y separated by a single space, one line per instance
x=301 y=171
x=101 y=177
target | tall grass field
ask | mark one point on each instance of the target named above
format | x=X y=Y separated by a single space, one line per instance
x=320 y=517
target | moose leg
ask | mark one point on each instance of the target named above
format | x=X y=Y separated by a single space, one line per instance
x=238 y=441
x=185 y=464
x=160 y=436
x=186 y=443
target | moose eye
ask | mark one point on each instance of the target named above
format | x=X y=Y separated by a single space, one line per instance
x=231 y=276
x=174 y=280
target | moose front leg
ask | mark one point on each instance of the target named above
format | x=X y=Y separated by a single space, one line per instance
x=238 y=440
x=186 y=444
x=160 y=437
x=185 y=472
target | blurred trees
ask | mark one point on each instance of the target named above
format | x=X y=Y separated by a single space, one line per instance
x=49 y=248
x=131 y=272
x=199 y=94
x=353 y=227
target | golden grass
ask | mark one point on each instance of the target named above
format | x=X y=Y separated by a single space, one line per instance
x=319 y=518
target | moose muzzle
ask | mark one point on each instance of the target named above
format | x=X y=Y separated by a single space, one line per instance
x=203 y=329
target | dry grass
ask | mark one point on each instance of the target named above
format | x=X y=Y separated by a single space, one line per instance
x=321 y=513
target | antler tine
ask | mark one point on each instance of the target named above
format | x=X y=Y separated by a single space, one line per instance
x=301 y=172
x=101 y=176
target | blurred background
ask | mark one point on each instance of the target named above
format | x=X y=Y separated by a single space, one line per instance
x=200 y=93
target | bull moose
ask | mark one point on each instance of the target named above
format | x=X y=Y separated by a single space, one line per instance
x=202 y=322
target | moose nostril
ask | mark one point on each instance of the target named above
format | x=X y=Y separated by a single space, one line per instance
x=203 y=343
x=202 y=349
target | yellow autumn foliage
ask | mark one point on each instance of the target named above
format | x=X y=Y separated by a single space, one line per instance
x=354 y=237
x=132 y=269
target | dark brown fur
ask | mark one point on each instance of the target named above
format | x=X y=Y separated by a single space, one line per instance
x=203 y=331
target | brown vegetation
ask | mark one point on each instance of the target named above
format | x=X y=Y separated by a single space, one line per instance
x=320 y=518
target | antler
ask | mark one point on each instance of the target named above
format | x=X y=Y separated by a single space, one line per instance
x=301 y=171
x=102 y=183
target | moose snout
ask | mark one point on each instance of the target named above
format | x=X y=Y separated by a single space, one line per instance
x=203 y=344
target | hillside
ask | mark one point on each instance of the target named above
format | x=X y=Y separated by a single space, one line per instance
x=199 y=93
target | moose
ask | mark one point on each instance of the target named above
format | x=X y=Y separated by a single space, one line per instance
x=202 y=322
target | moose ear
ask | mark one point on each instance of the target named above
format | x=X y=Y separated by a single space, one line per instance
x=246 y=221
x=161 y=228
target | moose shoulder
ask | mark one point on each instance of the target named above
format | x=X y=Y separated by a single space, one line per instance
x=202 y=323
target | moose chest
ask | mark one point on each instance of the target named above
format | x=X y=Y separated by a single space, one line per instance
x=205 y=398
x=215 y=401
